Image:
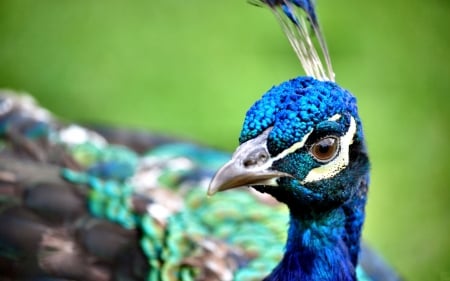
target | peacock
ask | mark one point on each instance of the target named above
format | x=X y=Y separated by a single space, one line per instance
x=102 y=203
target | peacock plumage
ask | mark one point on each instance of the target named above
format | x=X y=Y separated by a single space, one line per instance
x=87 y=203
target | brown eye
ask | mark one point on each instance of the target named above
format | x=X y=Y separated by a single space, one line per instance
x=325 y=149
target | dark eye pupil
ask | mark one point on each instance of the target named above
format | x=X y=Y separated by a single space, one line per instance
x=325 y=149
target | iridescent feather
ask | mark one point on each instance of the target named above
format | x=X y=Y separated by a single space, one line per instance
x=146 y=195
x=81 y=203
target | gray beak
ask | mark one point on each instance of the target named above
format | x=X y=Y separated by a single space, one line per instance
x=250 y=165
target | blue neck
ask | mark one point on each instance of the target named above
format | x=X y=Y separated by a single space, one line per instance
x=323 y=246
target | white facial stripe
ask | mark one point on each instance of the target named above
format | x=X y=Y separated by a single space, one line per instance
x=335 y=117
x=332 y=168
x=282 y=154
x=326 y=171
x=267 y=165
x=293 y=148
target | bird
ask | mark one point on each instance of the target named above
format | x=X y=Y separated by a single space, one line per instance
x=81 y=202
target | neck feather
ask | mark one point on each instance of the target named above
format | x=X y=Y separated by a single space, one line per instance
x=323 y=246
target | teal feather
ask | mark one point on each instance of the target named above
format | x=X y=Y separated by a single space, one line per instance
x=109 y=204
x=176 y=225
x=175 y=238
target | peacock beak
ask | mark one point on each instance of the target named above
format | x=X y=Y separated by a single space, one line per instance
x=233 y=175
x=250 y=165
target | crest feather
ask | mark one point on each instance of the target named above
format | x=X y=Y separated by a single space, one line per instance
x=295 y=17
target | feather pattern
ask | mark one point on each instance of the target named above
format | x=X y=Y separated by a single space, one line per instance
x=149 y=206
x=80 y=203
x=111 y=204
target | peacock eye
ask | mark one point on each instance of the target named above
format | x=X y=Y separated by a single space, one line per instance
x=325 y=149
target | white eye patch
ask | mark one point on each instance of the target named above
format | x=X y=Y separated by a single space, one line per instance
x=325 y=171
x=339 y=163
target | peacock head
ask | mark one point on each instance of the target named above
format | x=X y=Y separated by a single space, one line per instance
x=303 y=143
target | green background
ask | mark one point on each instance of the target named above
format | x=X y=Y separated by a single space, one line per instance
x=191 y=68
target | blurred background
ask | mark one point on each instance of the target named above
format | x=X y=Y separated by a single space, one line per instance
x=191 y=69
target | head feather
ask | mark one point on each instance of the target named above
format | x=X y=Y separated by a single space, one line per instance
x=294 y=16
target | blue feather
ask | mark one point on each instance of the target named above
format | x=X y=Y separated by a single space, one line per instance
x=77 y=206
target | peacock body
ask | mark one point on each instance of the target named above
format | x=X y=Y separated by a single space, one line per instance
x=102 y=211
x=107 y=204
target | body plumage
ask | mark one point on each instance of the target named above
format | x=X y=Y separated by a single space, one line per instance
x=95 y=210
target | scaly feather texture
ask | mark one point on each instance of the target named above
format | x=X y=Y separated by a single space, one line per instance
x=108 y=204
x=326 y=198
x=303 y=143
x=76 y=206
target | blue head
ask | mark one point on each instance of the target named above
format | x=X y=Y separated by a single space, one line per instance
x=303 y=143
